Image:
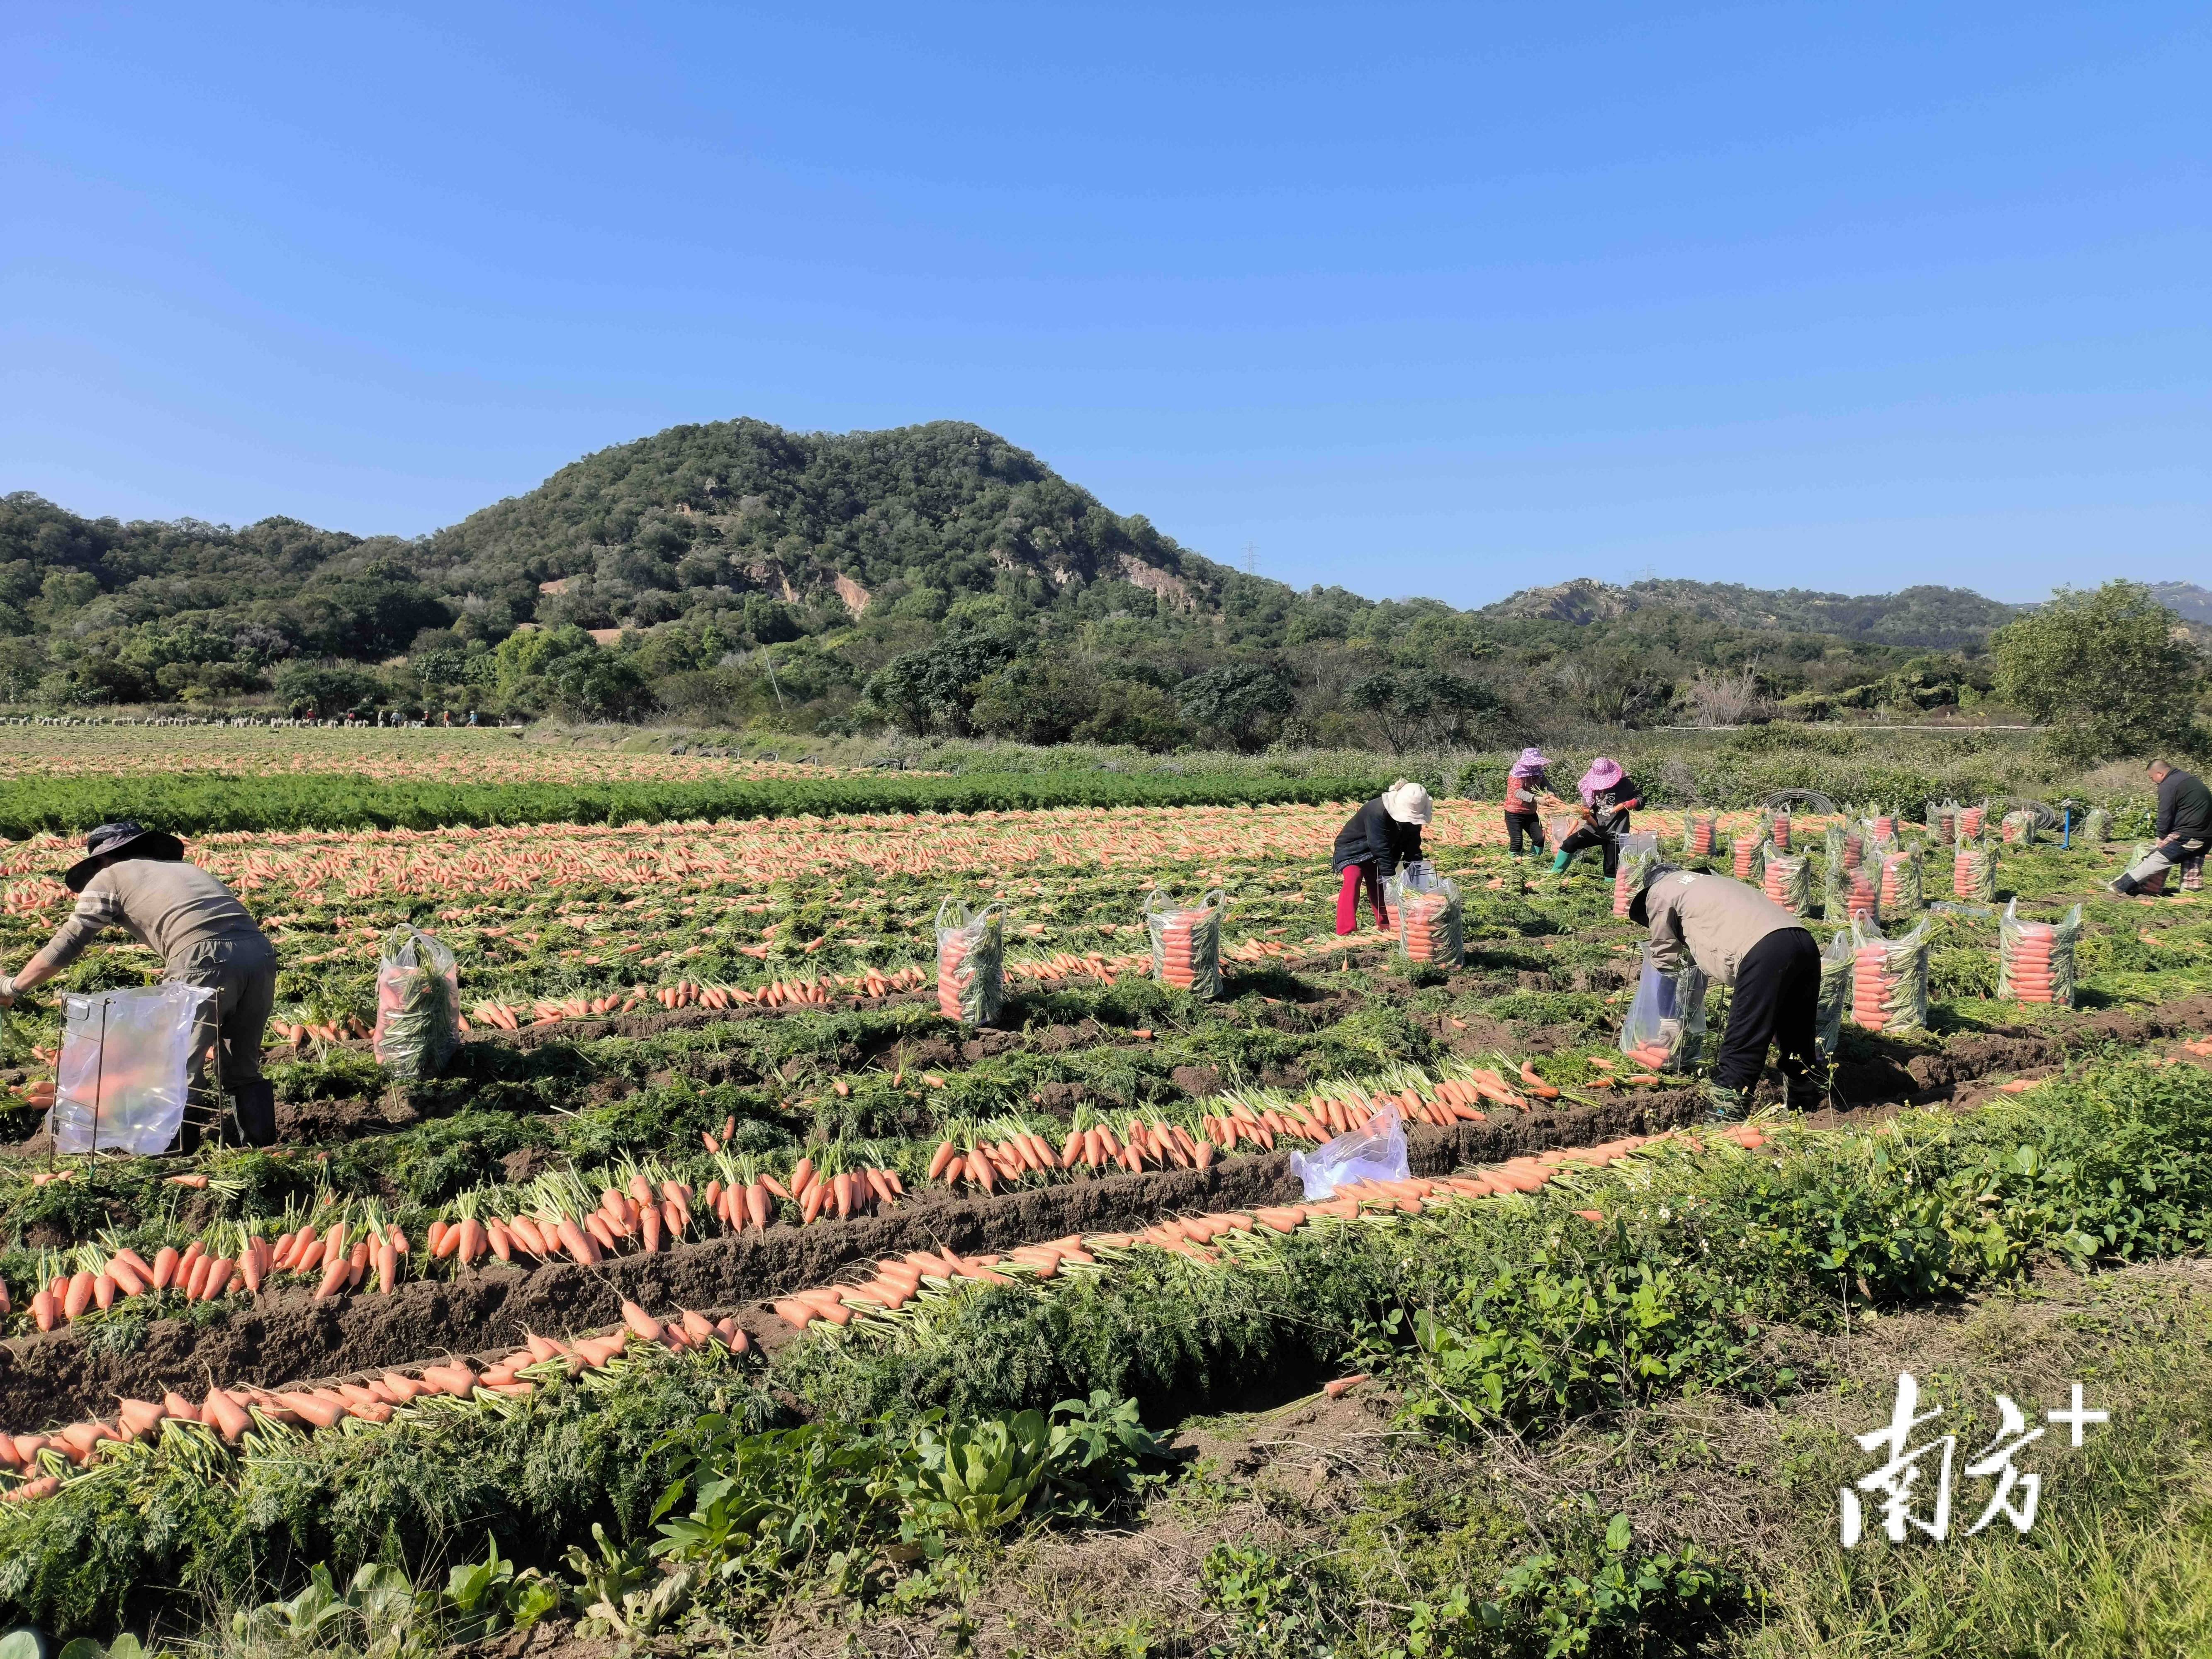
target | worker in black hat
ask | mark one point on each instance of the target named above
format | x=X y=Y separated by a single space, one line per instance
x=137 y=879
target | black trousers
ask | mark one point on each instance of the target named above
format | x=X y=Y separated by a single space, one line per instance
x=1777 y=1002
x=1606 y=842
x=1518 y=824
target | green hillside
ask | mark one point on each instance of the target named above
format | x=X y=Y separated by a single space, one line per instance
x=934 y=579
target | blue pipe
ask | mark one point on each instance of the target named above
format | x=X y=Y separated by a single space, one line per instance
x=2066 y=829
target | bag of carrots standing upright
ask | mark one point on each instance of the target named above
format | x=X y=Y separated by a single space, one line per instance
x=2152 y=885
x=1943 y=821
x=1187 y=942
x=1775 y=825
x=2035 y=959
x=2097 y=826
x=1974 y=873
x=1747 y=858
x=971 y=962
x=1836 y=962
x=2019 y=828
x=1901 y=893
x=1788 y=880
x=1639 y=851
x=1427 y=909
x=1700 y=834
x=1666 y=1021
x=418 y=1004
x=1889 y=979
x=1853 y=888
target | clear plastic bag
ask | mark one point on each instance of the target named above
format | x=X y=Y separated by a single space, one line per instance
x=2018 y=828
x=1186 y=941
x=1700 y=834
x=1889 y=979
x=1426 y=907
x=1971 y=820
x=1851 y=890
x=1778 y=827
x=1788 y=881
x=1974 y=873
x=1376 y=1150
x=1943 y=822
x=1747 y=858
x=1901 y=885
x=1666 y=1022
x=2035 y=959
x=2097 y=825
x=125 y=1069
x=1639 y=851
x=971 y=962
x=1881 y=828
x=418 y=1004
x=1836 y=962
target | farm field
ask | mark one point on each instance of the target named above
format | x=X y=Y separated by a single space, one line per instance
x=664 y=1015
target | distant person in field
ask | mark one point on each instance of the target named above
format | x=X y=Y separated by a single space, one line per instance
x=1741 y=938
x=1609 y=797
x=1380 y=836
x=138 y=880
x=2183 y=828
x=1525 y=785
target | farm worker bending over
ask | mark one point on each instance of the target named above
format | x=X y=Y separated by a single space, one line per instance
x=1524 y=787
x=2183 y=826
x=137 y=879
x=1741 y=938
x=1607 y=799
x=1381 y=835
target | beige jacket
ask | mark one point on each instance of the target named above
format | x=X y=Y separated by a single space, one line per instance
x=1715 y=920
x=179 y=908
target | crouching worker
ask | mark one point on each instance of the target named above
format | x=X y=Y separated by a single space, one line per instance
x=2183 y=827
x=1380 y=836
x=1741 y=938
x=1607 y=799
x=138 y=880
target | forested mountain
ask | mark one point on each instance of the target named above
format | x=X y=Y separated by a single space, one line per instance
x=930 y=578
x=1926 y=617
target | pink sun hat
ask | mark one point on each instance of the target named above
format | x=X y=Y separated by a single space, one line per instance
x=1603 y=774
x=1531 y=764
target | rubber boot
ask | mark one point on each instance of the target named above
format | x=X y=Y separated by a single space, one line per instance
x=1560 y=861
x=1808 y=1090
x=253 y=1109
x=2121 y=885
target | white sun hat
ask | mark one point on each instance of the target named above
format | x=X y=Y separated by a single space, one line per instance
x=1408 y=803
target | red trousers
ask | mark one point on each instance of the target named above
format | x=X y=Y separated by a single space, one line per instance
x=1347 y=899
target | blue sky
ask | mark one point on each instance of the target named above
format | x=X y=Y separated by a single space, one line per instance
x=1443 y=300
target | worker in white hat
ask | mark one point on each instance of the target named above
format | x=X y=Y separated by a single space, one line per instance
x=1381 y=835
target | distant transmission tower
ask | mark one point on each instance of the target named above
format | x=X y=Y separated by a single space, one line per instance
x=1251 y=558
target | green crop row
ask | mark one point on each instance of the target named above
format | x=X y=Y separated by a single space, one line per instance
x=1513 y=1312
x=190 y=804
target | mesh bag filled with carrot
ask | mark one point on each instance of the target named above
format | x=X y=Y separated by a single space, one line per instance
x=1186 y=941
x=1852 y=889
x=1639 y=851
x=1777 y=826
x=1974 y=873
x=1700 y=834
x=1889 y=979
x=1943 y=822
x=971 y=962
x=1427 y=909
x=1788 y=880
x=1747 y=858
x=418 y=1004
x=1901 y=893
x=1836 y=962
x=1666 y=1021
x=2035 y=959
x=1971 y=820
x=2019 y=828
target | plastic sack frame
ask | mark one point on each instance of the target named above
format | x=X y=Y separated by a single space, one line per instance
x=125 y=1068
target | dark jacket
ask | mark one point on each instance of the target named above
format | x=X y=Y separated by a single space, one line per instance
x=1373 y=836
x=2184 y=808
x=1612 y=806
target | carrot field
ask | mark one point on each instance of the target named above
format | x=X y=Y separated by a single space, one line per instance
x=720 y=1290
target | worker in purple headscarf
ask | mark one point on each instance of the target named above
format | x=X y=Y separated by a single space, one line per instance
x=1525 y=788
x=1607 y=799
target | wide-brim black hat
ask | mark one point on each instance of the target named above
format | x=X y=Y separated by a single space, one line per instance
x=111 y=838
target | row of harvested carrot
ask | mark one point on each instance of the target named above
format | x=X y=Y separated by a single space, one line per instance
x=690 y=993
x=203 y=1276
x=897 y=1280
x=232 y=1412
x=650 y=1216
